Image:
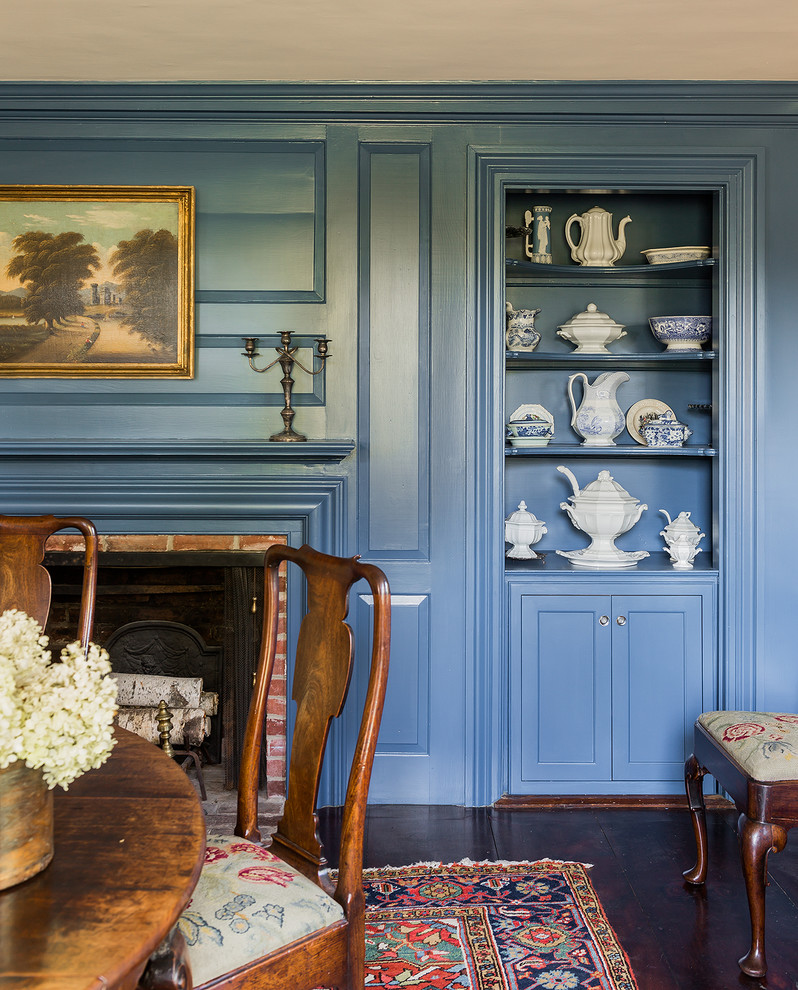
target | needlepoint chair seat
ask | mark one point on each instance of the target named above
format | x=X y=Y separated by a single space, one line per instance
x=249 y=904
x=754 y=757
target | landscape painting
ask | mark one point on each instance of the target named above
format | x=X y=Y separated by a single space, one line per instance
x=96 y=281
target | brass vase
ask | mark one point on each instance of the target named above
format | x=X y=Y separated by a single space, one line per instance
x=26 y=824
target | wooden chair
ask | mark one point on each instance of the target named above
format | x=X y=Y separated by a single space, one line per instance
x=25 y=583
x=754 y=757
x=272 y=918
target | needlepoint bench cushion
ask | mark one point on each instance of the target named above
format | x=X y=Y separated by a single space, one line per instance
x=764 y=744
x=247 y=904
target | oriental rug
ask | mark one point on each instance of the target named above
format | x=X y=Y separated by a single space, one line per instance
x=490 y=926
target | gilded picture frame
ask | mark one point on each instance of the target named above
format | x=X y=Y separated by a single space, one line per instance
x=96 y=281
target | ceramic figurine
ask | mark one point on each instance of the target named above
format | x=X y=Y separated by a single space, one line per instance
x=537 y=246
x=597 y=248
x=682 y=538
x=665 y=431
x=522 y=529
x=599 y=418
x=591 y=331
x=521 y=334
x=603 y=510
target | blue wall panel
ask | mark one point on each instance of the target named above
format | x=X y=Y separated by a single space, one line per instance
x=394 y=292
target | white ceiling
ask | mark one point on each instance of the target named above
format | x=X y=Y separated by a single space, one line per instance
x=400 y=40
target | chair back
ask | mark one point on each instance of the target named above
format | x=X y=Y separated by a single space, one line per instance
x=322 y=673
x=25 y=583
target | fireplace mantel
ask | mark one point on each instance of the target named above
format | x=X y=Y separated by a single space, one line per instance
x=263 y=451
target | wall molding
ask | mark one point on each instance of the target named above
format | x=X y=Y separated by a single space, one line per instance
x=261 y=451
x=421 y=101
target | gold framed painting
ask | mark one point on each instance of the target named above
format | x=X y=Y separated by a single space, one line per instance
x=97 y=281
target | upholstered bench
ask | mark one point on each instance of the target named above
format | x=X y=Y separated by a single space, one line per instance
x=754 y=757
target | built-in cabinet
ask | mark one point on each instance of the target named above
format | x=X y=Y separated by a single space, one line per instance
x=609 y=667
x=605 y=682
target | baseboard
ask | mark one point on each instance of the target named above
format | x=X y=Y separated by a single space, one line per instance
x=667 y=802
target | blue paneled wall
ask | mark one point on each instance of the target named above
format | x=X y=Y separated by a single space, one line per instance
x=353 y=211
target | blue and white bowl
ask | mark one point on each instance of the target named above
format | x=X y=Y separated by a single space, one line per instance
x=530 y=433
x=681 y=333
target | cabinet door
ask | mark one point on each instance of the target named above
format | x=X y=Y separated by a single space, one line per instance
x=656 y=683
x=560 y=722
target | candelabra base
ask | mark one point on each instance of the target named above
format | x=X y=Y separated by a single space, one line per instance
x=288 y=436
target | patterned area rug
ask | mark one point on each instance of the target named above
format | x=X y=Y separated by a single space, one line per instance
x=490 y=926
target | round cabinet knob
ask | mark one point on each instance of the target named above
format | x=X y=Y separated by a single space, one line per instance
x=604 y=620
x=621 y=620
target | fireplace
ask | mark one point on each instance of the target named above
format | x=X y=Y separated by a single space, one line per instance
x=211 y=583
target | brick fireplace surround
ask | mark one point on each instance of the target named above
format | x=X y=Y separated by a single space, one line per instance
x=208 y=547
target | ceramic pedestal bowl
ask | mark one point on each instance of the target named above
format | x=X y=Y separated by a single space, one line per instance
x=681 y=333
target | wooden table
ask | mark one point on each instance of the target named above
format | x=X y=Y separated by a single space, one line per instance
x=129 y=845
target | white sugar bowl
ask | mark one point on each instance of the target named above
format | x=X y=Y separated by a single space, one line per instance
x=522 y=529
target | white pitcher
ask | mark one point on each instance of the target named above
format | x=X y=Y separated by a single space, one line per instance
x=599 y=418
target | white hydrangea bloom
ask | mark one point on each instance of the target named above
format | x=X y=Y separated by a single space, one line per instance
x=54 y=716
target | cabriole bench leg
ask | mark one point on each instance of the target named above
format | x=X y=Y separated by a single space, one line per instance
x=694 y=785
x=757 y=839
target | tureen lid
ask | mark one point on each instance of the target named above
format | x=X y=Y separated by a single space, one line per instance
x=521 y=517
x=664 y=419
x=591 y=317
x=681 y=524
x=605 y=488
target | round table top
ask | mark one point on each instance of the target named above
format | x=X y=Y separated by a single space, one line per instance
x=129 y=846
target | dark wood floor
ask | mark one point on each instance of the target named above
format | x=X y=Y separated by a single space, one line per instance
x=675 y=936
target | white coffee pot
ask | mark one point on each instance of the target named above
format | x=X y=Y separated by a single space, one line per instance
x=597 y=248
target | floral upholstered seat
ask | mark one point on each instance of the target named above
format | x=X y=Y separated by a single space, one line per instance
x=754 y=757
x=764 y=744
x=247 y=904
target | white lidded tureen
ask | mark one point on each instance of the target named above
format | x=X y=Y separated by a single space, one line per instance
x=591 y=331
x=522 y=529
x=604 y=510
x=682 y=538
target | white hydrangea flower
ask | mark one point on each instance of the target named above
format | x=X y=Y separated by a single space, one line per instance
x=57 y=717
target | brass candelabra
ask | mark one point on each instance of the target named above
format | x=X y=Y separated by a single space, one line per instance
x=286 y=358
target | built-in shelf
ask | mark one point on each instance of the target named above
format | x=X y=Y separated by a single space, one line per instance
x=263 y=451
x=619 y=450
x=542 y=273
x=658 y=563
x=526 y=360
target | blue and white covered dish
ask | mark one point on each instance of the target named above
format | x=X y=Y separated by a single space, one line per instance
x=665 y=431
